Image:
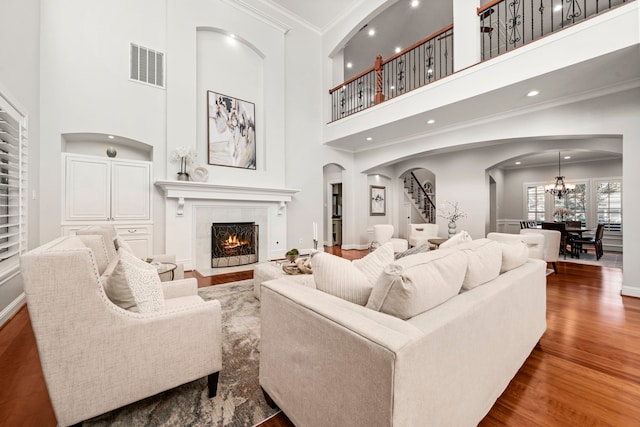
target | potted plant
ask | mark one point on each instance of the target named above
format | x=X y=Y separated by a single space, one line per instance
x=292 y=254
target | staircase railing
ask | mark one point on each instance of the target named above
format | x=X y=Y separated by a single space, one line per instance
x=508 y=24
x=422 y=63
x=420 y=197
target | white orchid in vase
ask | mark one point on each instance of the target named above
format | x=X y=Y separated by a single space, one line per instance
x=185 y=156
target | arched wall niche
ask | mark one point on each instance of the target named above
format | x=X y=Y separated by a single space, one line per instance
x=96 y=144
x=229 y=65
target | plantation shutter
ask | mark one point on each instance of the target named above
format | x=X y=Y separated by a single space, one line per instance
x=13 y=185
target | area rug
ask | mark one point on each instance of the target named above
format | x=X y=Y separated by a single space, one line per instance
x=609 y=259
x=239 y=402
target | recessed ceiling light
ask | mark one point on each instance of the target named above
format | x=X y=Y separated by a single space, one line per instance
x=567 y=157
x=111 y=137
x=369 y=138
x=533 y=93
x=518 y=163
x=372 y=32
x=430 y=121
x=398 y=49
x=558 y=7
x=415 y=3
x=349 y=65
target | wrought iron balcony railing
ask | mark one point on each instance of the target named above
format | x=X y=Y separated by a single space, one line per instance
x=422 y=63
x=508 y=24
x=504 y=25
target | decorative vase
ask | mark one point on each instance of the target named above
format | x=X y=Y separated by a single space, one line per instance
x=111 y=152
x=452 y=229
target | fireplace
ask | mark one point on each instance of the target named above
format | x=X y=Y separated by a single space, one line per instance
x=234 y=243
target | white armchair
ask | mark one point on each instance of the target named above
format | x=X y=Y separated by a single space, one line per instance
x=382 y=233
x=551 y=252
x=96 y=356
x=108 y=232
x=421 y=233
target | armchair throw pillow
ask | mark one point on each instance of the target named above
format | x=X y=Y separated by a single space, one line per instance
x=133 y=284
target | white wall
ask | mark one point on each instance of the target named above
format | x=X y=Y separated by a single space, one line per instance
x=463 y=179
x=514 y=180
x=85 y=87
x=19 y=50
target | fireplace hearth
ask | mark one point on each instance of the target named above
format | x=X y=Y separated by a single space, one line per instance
x=233 y=244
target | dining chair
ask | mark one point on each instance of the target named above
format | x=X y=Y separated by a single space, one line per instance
x=578 y=243
x=562 y=228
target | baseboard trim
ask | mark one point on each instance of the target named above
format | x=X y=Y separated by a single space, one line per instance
x=357 y=247
x=13 y=307
x=629 y=291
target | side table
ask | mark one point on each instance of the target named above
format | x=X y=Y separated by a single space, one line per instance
x=437 y=241
x=273 y=270
x=165 y=268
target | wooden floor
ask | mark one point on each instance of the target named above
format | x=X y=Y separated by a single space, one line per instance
x=584 y=372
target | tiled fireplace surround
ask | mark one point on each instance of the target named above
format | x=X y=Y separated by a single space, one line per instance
x=191 y=208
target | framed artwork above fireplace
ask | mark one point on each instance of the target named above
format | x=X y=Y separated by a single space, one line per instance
x=231 y=131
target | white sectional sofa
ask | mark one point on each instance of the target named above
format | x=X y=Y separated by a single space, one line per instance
x=327 y=361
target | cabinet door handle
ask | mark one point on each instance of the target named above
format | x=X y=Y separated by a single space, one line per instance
x=132 y=231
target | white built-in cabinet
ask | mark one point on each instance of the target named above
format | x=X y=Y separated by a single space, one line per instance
x=100 y=190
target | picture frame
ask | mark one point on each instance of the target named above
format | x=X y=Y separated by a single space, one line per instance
x=377 y=200
x=231 y=131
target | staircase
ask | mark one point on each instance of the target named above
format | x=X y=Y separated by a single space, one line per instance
x=419 y=198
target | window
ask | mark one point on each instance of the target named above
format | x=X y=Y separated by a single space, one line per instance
x=575 y=205
x=535 y=202
x=609 y=204
x=13 y=182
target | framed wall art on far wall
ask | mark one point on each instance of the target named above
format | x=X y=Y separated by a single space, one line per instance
x=231 y=131
x=377 y=202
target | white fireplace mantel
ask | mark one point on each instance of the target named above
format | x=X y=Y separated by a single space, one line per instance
x=184 y=190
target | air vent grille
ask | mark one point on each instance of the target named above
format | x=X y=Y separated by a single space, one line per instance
x=147 y=65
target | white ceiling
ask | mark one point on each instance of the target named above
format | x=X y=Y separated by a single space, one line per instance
x=319 y=14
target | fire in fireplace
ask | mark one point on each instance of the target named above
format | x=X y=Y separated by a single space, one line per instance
x=234 y=243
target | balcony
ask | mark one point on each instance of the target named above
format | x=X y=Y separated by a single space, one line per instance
x=519 y=44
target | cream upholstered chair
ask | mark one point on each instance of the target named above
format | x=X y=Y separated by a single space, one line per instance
x=421 y=233
x=108 y=232
x=552 y=238
x=382 y=233
x=96 y=356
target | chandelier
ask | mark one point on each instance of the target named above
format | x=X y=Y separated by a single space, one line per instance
x=559 y=188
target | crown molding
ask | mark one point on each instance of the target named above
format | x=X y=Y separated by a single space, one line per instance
x=259 y=14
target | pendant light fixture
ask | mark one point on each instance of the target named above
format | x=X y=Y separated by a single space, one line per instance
x=560 y=188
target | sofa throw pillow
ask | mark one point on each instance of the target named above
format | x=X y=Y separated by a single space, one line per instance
x=484 y=259
x=513 y=255
x=457 y=239
x=134 y=285
x=340 y=277
x=415 y=250
x=417 y=283
x=374 y=263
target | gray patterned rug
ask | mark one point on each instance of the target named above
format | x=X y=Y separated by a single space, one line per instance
x=239 y=401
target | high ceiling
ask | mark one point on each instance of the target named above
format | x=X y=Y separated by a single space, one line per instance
x=319 y=14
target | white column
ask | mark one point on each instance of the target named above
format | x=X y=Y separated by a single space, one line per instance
x=466 y=34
